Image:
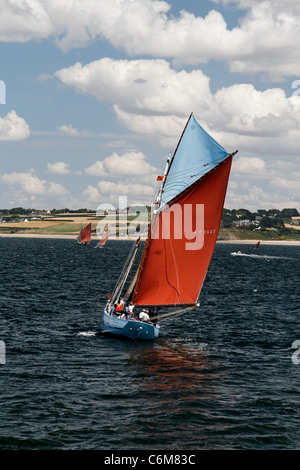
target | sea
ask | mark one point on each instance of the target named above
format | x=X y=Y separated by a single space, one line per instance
x=224 y=376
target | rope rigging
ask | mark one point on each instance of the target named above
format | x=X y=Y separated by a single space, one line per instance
x=177 y=312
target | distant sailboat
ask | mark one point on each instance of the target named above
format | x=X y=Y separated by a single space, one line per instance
x=84 y=236
x=103 y=240
x=239 y=253
x=176 y=255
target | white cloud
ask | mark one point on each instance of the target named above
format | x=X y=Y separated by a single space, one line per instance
x=262 y=124
x=22 y=21
x=246 y=110
x=135 y=177
x=27 y=186
x=142 y=93
x=290 y=184
x=71 y=131
x=129 y=164
x=59 y=168
x=253 y=198
x=146 y=86
x=248 y=165
x=133 y=190
x=91 y=195
x=265 y=39
x=13 y=127
x=167 y=129
x=154 y=98
x=97 y=169
x=255 y=183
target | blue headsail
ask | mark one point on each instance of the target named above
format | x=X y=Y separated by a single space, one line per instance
x=196 y=154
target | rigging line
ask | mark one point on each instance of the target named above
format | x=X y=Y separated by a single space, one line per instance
x=172 y=159
x=199 y=171
x=190 y=173
x=144 y=256
x=177 y=312
x=171 y=200
x=123 y=276
x=198 y=166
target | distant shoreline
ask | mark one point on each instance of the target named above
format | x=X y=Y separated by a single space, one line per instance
x=262 y=242
x=73 y=237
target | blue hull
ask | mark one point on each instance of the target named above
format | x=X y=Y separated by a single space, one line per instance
x=131 y=329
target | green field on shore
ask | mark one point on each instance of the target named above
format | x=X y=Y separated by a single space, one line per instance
x=235 y=225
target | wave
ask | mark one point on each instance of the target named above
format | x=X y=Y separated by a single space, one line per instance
x=87 y=333
x=236 y=253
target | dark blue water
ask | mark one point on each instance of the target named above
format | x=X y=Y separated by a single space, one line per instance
x=222 y=377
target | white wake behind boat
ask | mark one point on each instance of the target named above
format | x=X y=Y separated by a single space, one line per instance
x=237 y=253
x=182 y=235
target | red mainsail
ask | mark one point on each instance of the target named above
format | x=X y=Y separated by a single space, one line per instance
x=85 y=234
x=181 y=242
x=104 y=239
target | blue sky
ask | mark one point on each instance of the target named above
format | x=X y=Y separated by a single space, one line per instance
x=97 y=94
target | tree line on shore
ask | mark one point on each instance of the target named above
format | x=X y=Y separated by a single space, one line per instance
x=230 y=217
x=263 y=218
x=274 y=223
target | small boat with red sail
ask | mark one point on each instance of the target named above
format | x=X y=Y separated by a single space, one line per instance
x=84 y=236
x=186 y=217
x=103 y=240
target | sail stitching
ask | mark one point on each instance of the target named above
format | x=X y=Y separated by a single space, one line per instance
x=197 y=181
x=187 y=170
x=175 y=265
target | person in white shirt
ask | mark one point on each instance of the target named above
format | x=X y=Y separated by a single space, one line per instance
x=143 y=316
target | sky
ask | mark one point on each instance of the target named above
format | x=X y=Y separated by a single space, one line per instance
x=94 y=95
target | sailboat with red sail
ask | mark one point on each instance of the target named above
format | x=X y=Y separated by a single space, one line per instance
x=182 y=235
x=84 y=236
x=103 y=240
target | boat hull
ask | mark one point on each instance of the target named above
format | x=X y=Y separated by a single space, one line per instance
x=132 y=329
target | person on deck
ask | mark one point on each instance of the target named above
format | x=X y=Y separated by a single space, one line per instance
x=143 y=316
x=119 y=309
x=113 y=310
x=131 y=307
